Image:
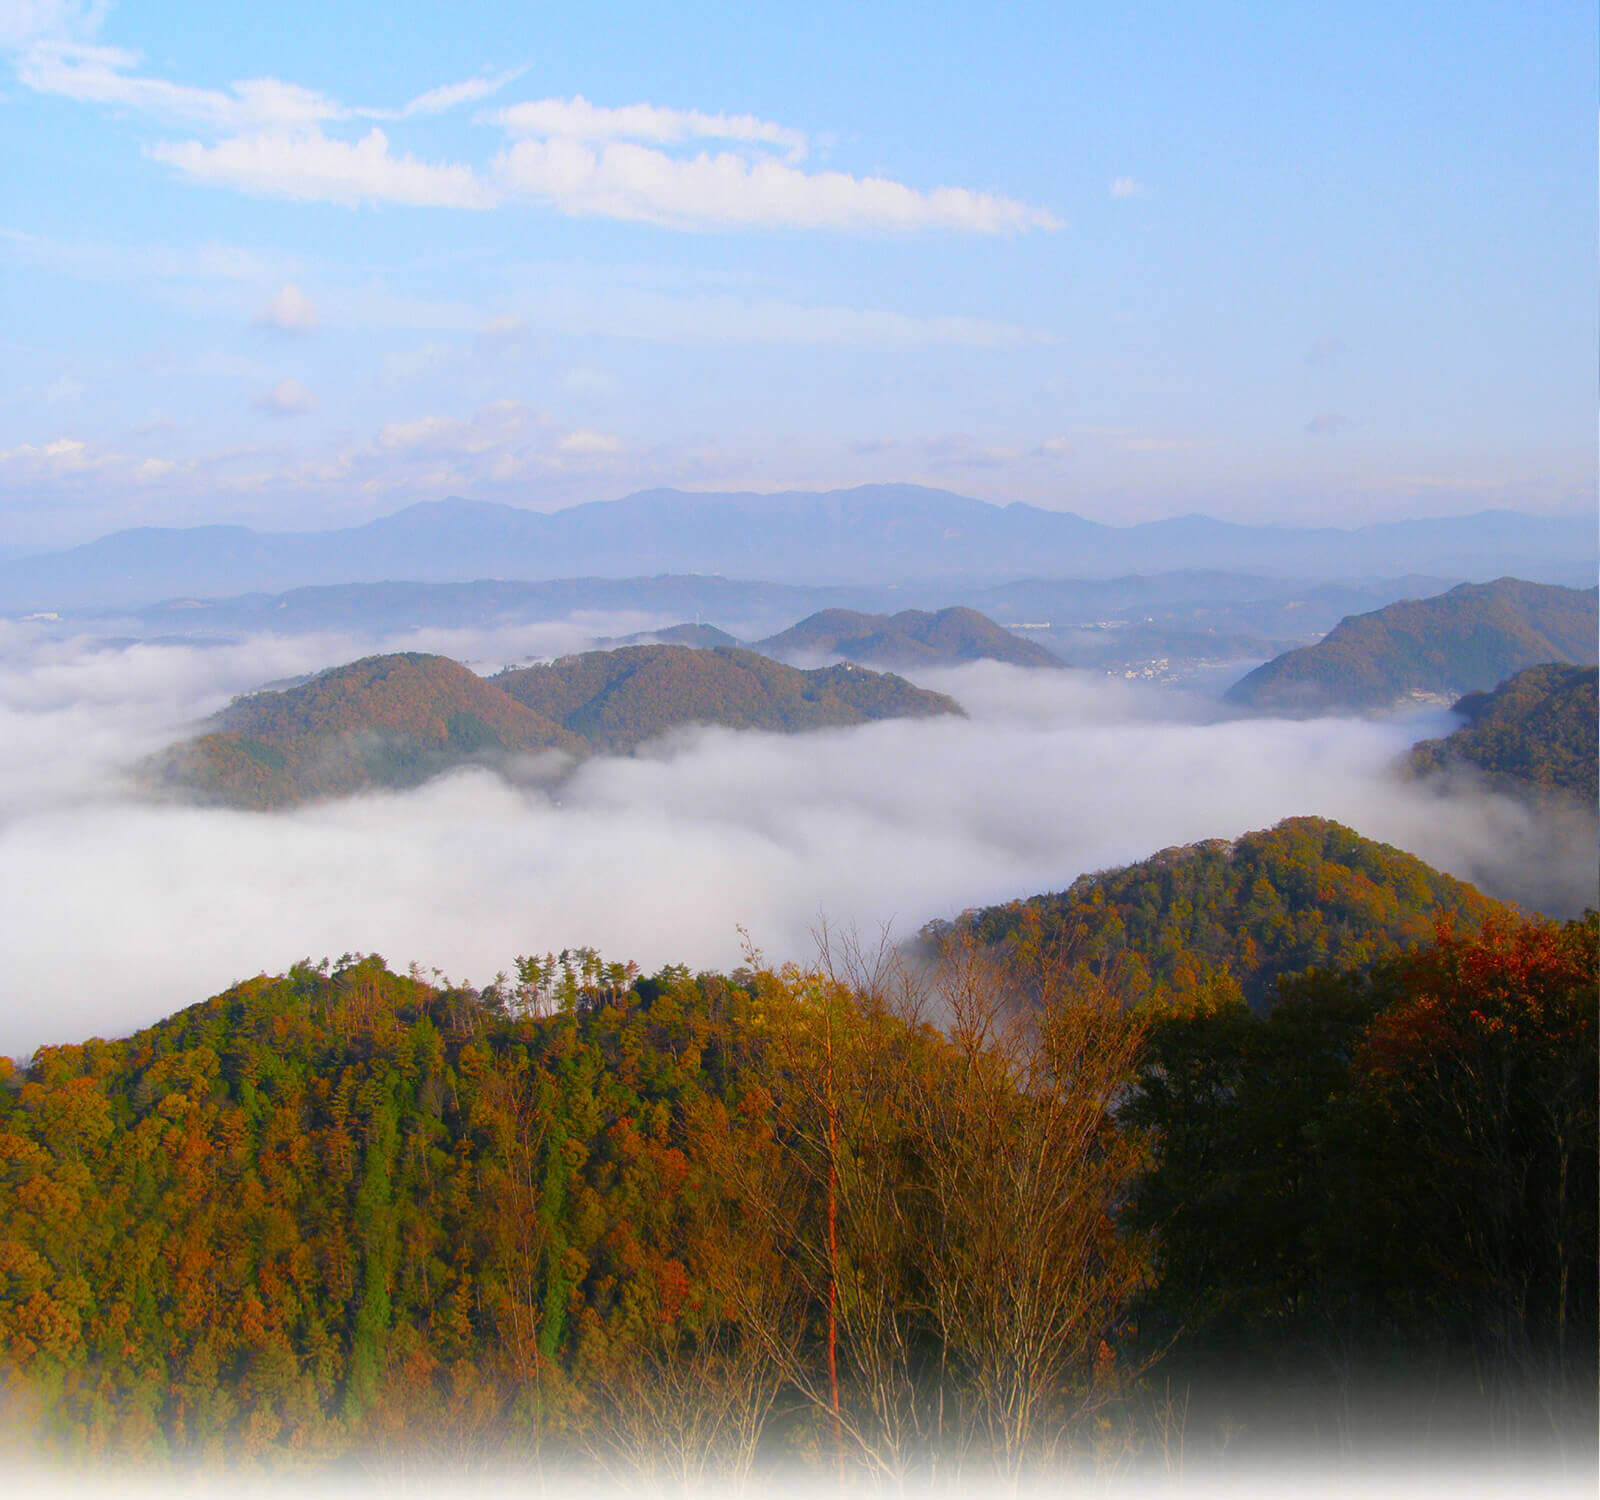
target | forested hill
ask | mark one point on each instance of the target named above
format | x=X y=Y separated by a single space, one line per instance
x=1463 y=641
x=912 y=638
x=394 y=721
x=383 y=721
x=1536 y=730
x=1205 y=923
x=617 y=699
x=699 y=1228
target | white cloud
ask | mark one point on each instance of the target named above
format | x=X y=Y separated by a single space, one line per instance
x=1127 y=187
x=290 y=310
x=288 y=398
x=312 y=167
x=94 y=74
x=576 y=119
x=492 y=426
x=57 y=60
x=24 y=22
x=586 y=442
x=632 y=182
x=60 y=457
x=402 y=435
x=581 y=158
x=1053 y=774
x=451 y=95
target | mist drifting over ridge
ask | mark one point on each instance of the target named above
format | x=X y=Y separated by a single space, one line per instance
x=121 y=909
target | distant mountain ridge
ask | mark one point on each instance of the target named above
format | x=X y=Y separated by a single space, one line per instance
x=871 y=534
x=911 y=638
x=900 y=642
x=1466 y=640
x=1535 y=732
x=394 y=721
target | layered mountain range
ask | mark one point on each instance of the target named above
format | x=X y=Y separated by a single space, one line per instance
x=872 y=535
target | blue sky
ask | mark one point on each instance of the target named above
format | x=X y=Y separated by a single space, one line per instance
x=299 y=265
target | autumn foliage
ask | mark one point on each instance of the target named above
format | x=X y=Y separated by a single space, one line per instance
x=863 y=1216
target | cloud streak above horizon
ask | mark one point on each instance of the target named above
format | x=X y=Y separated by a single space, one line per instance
x=271 y=138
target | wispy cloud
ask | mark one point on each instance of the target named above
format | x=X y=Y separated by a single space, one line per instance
x=1327 y=424
x=290 y=310
x=730 y=191
x=576 y=119
x=124 y=262
x=71 y=68
x=312 y=167
x=93 y=74
x=288 y=398
x=65 y=462
x=452 y=95
x=639 y=312
x=27 y=22
x=271 y=138
x=1127 y=187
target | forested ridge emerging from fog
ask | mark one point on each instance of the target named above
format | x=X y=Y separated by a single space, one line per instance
x=1536 y=732
x=394 y=721
x=1224 y=920
x=1462 y=641
x=974 y=1214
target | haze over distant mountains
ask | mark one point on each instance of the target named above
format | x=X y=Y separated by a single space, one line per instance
x=899 y=642
x=874 y=534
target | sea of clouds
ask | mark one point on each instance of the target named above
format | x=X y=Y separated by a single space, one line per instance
x=118 y=910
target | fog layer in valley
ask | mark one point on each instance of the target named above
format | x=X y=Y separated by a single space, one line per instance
x=118 y=910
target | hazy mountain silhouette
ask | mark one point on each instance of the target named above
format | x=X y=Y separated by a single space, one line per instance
x=870 y=535
x=911 y=638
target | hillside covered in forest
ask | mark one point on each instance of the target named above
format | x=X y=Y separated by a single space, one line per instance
x=1536 y=731
x=720 y=1226
x=1222 y=921
x=617 y=699
x=1462 y=641
x=396 y=720
x=384 y=721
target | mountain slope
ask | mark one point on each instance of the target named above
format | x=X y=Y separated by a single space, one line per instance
x=1536 y=730
x=1216 y=920
x=911 y=638
x=617 y=699
x=384 y=721
x=1458 y=642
